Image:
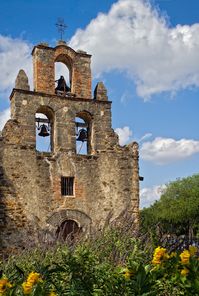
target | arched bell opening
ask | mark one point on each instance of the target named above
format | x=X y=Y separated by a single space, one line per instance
x=44 y=125
x=63 y=75
x=68 y=230
x=83 y=133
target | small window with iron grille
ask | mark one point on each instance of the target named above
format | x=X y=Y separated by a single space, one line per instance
x=67 y=186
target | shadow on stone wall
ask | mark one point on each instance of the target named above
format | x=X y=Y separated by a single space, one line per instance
x=6 y=190
x=11 y=213
x=2 y=186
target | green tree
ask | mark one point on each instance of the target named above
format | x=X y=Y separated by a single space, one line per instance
x=177 y=211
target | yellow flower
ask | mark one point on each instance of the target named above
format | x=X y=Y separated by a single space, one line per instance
x=184 y=256
x=52 y=293
x=173 y=254
x=27 y=288
x=32 y=279
x=4 y=284
x=127 y=273
x=184 y=272
x=166 y=256
x=159 y=254
x=193 y=250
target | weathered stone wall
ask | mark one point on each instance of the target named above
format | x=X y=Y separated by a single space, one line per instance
x=78 y=64
x=106 y=180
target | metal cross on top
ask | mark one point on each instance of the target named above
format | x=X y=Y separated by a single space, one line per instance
x=61 y=26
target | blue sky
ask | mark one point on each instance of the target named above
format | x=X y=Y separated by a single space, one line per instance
x=146 y=53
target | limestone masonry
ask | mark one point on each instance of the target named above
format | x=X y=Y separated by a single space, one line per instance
x=62 y=190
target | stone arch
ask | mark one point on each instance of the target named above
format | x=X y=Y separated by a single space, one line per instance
x=66 y=60
x=87 y=118
x=64 y=50
x=48 y=111
x=82 y=219
x=50 y=115
x=68 y=67
x=66 y=55
x=86 y=115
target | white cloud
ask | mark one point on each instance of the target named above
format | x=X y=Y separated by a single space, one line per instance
x=134 y=38
x=149 y=195
x=167 y=150
x=124 y=135
x=15 y=54
x=4 y=116
x=126 y=96
x=61 y=69
x=146 y=136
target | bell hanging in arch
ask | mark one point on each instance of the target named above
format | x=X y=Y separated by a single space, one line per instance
x=82 y=135
x=43 y=131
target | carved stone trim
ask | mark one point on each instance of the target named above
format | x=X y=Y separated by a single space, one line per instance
x=83 y=220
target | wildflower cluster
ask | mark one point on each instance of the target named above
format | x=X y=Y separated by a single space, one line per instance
x=187 y=254
x=32 y=279
x=4 y=285
x=159 y=255
x=84 y=274
x=185 y=257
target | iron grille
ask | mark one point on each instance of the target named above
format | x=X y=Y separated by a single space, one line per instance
x=67 y=185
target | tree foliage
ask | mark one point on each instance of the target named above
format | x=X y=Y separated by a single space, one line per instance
x=177 y=211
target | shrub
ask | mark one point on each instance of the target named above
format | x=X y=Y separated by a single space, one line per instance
x=111 y=264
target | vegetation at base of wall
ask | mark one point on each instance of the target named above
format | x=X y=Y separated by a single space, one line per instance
x=161 y=259
x=110 y=264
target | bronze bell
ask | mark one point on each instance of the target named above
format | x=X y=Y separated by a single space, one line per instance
x=82 y=135
x=43 y=131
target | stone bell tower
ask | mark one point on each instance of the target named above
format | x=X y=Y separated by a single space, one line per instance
x=62 y=190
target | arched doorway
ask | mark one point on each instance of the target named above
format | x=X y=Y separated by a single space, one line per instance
x=68 y=230
x=57 y=219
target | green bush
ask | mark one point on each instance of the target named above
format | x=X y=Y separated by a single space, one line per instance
x=110 y=264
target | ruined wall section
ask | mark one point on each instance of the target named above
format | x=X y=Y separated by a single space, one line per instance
x=26 y=195
x=14 y=224
x=102 y=186
x=105 y=181
x=2 y=178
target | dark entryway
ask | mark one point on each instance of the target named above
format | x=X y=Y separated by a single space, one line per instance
x=68 y=229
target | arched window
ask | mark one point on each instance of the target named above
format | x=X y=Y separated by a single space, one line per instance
x=83 y=133
x=44 y=129
x=63 y=75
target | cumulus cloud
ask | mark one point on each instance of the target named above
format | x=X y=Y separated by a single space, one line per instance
x=124 y=134
x=4 y=116
x=149 y=195
x=61 y=69
x=133 y=37
x=15 y=54
x=146 y=136
x=166 y=150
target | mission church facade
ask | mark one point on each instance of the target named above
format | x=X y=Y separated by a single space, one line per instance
x=62 y=190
